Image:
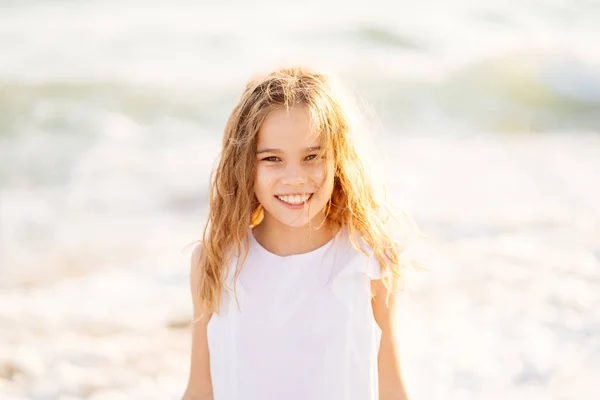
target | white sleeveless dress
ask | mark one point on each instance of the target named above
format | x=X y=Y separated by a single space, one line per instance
x=304 y=329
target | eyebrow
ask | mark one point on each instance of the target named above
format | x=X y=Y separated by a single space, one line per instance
x=316 y=148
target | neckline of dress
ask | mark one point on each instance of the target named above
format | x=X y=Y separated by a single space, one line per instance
x=297 y=256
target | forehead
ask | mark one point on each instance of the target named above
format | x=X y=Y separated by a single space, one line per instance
x=288 y=129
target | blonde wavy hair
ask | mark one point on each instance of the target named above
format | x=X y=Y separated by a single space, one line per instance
x=356 y=204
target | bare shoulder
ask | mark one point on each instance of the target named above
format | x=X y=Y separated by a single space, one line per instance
x=195 y=268
x=196 y=273
x=386 y=305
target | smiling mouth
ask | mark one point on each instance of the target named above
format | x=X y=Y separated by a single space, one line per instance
x=295 y=199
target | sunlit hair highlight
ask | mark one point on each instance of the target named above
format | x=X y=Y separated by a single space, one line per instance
x=357 y=203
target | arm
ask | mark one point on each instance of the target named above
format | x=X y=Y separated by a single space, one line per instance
x=199 y=385
x=391 y=386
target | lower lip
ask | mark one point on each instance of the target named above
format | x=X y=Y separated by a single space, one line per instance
x=294 y=206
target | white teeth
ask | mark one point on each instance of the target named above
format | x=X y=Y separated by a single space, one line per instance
x=297 y=199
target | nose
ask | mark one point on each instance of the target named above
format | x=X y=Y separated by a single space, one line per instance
x=294 y=175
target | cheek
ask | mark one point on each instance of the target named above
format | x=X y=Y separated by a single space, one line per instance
x=323 y=176
x=262 y=179
x=319 y=173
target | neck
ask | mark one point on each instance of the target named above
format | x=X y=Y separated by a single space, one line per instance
x=284 y=240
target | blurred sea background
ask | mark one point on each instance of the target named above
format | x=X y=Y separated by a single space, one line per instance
x=488 y=122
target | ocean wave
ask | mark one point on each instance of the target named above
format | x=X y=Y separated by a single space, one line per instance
x=514 y=93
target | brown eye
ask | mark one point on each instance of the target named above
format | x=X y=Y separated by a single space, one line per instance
x=312 y=157
x=271 y=159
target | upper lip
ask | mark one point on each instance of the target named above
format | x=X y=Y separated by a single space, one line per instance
x=294 y=194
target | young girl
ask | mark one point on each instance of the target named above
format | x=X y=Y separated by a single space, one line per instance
x=294 y=281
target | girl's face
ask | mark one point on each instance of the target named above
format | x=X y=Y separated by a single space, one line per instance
x=292 y=183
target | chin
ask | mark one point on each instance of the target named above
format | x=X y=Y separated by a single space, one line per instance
x=302 y=222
